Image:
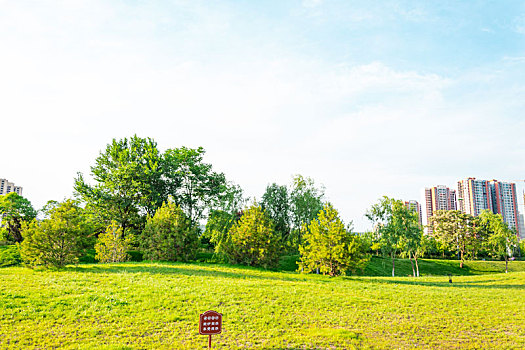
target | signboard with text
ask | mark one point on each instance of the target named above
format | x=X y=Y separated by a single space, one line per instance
x=210 y=322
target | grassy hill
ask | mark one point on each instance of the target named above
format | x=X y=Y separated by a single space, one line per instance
x=157 y=305
x=379 y=266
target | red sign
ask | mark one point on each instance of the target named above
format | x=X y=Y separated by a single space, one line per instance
x=210 y=322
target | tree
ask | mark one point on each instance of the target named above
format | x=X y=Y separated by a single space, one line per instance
x=412 y=235
x=128 y=183
x=169 y=235
x=217 y=227
x=329 y=246
x=306 y=201
x=397 y=226
x=112 y=246
x=458 y=230
x=193 y=184
x=276 y=203
x=14 y=211
x=252 y=240
x=57 y=240
x=221 y=218
x=501 y=238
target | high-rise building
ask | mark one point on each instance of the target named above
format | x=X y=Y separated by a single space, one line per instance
x=8 y=187
x=415 y=206
x=439 y=198
x=474 y=196
x=505 y=202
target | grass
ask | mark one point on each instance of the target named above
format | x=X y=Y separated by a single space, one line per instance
x=379 y=266
x=157 y=305
x=435 y=267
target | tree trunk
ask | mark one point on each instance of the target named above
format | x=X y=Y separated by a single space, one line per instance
x=461 y=262
x=412 y=263
x=417 y=266
x=393 y=265
x=506 y=263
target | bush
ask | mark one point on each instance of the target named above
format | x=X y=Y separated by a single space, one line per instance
x=88 y=256
x=58 y=240
x=9 y=255
x=112 y=246
x=330 y=247
x=135 y=255
x=252 y=240
x=289 y=262
x=169 y=235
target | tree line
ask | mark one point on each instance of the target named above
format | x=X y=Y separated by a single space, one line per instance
x=140 y=198
x=397 y=232
x=170 y=205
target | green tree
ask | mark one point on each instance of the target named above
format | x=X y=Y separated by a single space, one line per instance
x=252 y=240
x=221 y=219
x=458 y=230
x=112 y=246
x=169 y=235
x=306 y=200
x=128 y=185
x=14 y=211
x=193 y=184
x=397 y=226
x=330 y=247
x=276 y=203
x=412 y=235
x=501 y=238
x=57 y=240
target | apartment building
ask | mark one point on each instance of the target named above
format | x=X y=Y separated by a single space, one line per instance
x=439 y=198
x=499 y=197
x=415 y=206
x=8 y=187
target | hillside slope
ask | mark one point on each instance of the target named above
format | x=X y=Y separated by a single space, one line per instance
x=141 y=305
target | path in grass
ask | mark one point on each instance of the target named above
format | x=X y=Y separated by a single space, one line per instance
x=142 y=306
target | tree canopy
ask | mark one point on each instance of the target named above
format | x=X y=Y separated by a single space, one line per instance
x=501 y=238
x=14 y=210
x=252 y=240
x=458 y=231
x=133 y=178
x=329 y=246
x=128 y=182
x=169 y=235
x=57 y=240
x=397 y=227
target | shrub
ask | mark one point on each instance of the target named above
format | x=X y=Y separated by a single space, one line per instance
x=169 y=235
x=112 y=246
x=9 y=255
x=58 y=240
x=252 y=240
x=330 y=247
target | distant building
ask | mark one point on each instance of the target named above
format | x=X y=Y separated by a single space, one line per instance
x=439 y=198
x=521 y=226
x=8 y=187
x=415 y=206
x=474 y=196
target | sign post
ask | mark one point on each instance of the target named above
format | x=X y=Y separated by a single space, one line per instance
x=210 y=323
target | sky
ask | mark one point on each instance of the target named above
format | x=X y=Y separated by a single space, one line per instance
x=366 y=98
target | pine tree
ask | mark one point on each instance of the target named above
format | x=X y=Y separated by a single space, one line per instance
x=329 y=246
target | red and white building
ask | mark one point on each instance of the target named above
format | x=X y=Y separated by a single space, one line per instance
x=499 y=197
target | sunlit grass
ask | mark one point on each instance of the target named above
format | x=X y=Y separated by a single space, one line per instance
x=156 y=306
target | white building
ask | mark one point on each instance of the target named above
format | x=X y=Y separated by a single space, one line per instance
x=8 y=187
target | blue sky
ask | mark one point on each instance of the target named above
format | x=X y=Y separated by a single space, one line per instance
x=368 y=98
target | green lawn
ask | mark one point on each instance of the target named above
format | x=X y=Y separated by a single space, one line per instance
x=435 y=267
x=156 y=306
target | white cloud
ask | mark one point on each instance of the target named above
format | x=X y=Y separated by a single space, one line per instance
x=73 y=80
